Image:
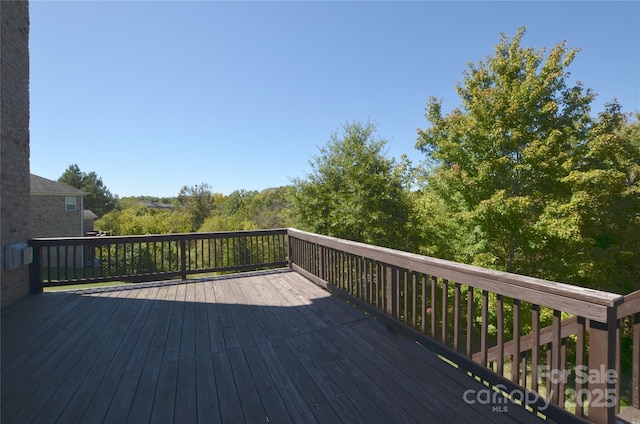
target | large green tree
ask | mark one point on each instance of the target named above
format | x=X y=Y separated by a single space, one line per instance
x=98 y=198
x=507 y=164
x=354 y=191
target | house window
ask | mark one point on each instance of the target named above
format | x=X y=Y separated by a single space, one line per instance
x=70 y=204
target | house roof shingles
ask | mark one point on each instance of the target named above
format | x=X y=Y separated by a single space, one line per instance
x=40 y=185
x=87 y=214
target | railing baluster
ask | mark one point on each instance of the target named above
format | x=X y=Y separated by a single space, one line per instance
x=57 y=262
x=563 y=366
x=333 y=267
x=484 y=328
x=133 y=268
x=396 y=284
x=414 y=298
x=515 y=358
x=342 y=276
x=456 y=315
x=535 y=343
x=635 y=360
x=49 y=263
x=445 y=311
x=370 y=278
x=391 y=286
x=556 y=341
x=379 y=285
x=500 y=333
x=84 y=260
x=617 y=362
x=580 y=327
x=209 y=253
x=523 y=367
x=550 y=371
x=470 y=321
x=423 y=304
x=331 y=272
x=405 y=294
x=434 y=308
x=359 y=278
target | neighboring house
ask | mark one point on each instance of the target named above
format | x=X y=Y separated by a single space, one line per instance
x=56 y=209
x=89 y=219
x=156 y=205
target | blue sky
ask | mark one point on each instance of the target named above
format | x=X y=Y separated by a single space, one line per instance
x=153 y=96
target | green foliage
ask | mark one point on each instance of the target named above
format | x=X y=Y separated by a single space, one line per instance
x=241 y=210
x=267 y=208
x=98 y=198
x=354 y=191
x=136 y=220
x=237 y=203
x=249 y=210
x=197 y=202
x=226 y=223
x=602 y=215
x=522 y=172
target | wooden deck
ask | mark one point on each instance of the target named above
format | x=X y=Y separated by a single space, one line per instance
x=263 y=347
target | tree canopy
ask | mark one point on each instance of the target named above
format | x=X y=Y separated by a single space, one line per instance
x=98 y=198
x=354 y=191
x=197 y=202
x=513 y=162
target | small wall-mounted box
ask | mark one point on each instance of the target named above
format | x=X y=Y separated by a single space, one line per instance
x=16 y=255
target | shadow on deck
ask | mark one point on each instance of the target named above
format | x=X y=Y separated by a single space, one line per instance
x=259 y=347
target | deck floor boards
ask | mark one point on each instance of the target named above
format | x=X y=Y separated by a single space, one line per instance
x=255 y=347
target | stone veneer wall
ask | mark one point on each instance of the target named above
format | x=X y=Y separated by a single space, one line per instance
x=14 y=143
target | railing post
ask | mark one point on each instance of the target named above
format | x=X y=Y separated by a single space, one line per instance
x=556 y=343
x=35 y=271
x=290 y=248
x=602 y=384
x=183 y=259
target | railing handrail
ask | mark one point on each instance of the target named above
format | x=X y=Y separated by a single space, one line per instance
x=52 y=241
x=630 y=305
x=586 y=302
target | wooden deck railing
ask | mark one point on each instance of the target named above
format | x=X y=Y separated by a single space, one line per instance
x=561 y=351
x=554 y=347
x=79 y=260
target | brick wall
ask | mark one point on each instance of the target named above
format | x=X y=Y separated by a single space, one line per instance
x=14 y=143
x=50 y=219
